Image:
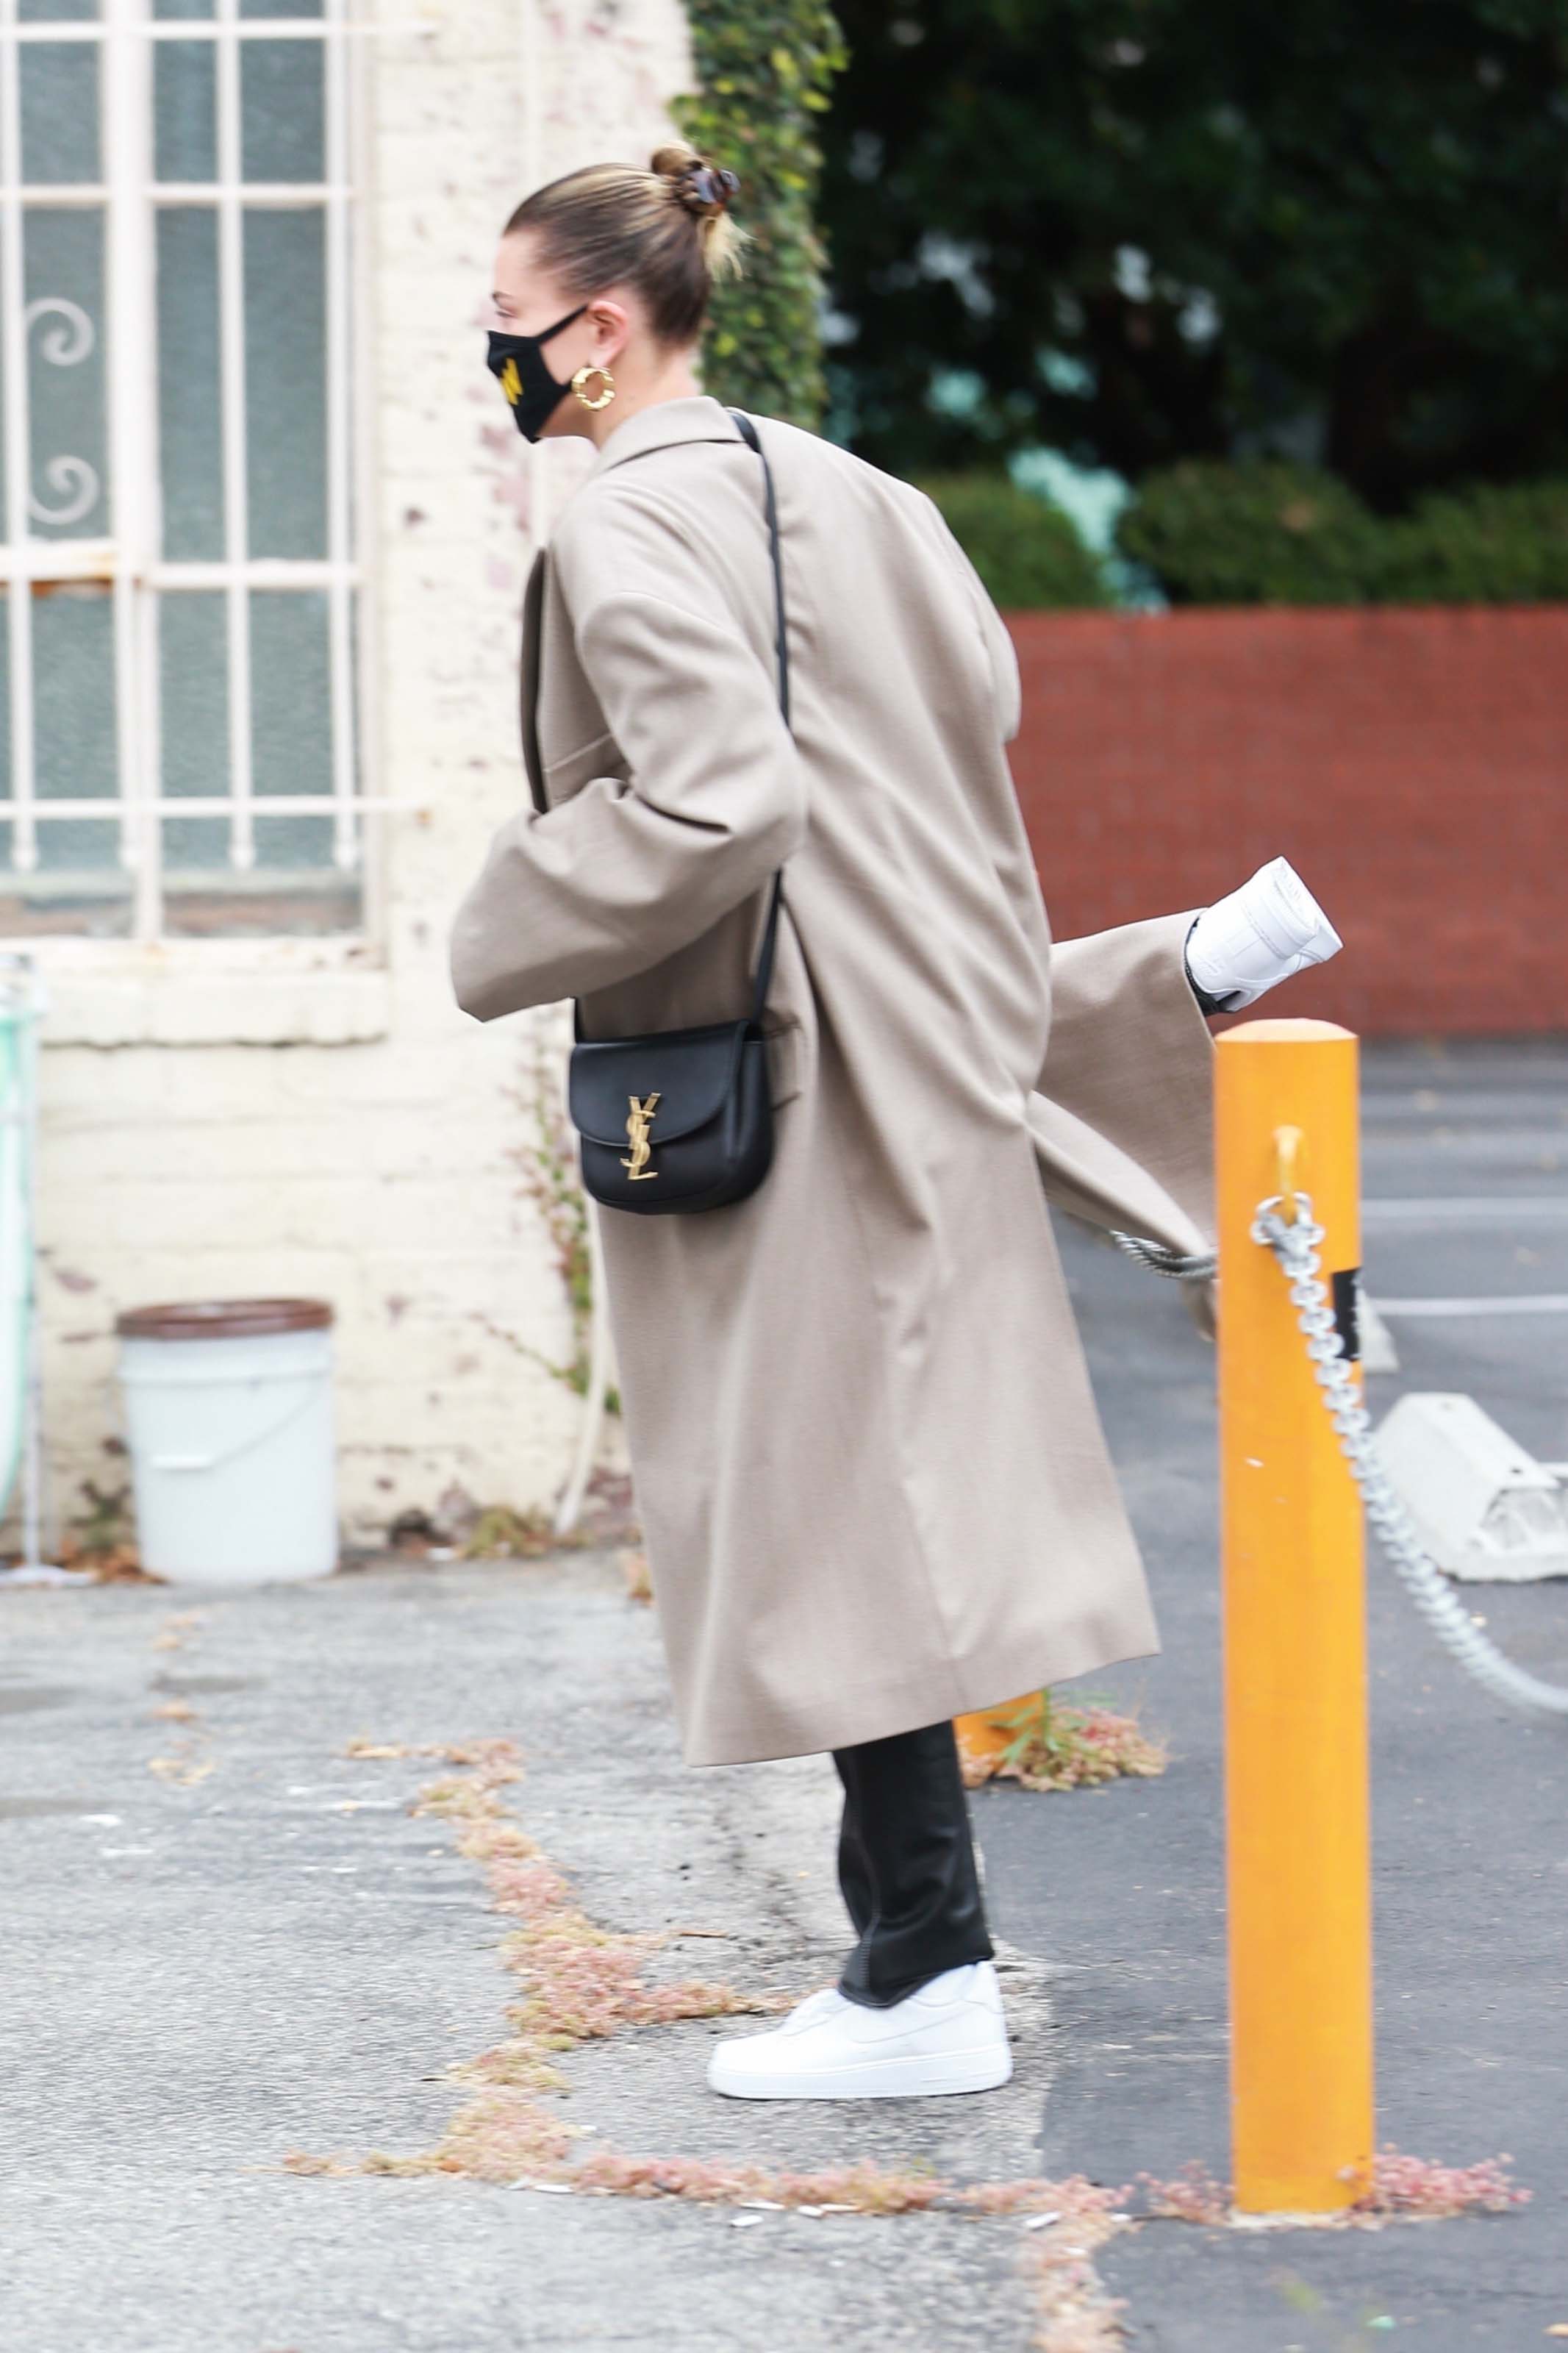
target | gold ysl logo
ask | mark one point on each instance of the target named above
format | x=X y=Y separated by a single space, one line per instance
x=636 y=1128
x=511 y=383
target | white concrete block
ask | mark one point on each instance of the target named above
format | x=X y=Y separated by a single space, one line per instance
x=1482 y=1507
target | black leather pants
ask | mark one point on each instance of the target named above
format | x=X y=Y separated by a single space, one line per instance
x=906 y=1865
x=906 y=1853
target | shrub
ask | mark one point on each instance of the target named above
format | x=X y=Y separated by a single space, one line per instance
x=1261 y=533
x=1027 y=552
x=1487 y=544
x=1265 y=532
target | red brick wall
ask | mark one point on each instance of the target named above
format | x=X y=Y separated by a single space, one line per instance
x=1412 y=765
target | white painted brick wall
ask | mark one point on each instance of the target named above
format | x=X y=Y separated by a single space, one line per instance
x=375 y=1172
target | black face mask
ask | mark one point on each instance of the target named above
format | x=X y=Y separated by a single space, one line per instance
x=518 y=363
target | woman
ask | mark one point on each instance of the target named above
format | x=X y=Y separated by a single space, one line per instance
x=873 y=1485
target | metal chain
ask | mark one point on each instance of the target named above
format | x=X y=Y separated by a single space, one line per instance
x=1161 y=1260
x=1296 y=1248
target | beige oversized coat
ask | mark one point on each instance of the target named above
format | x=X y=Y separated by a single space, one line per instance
x=871 y=1476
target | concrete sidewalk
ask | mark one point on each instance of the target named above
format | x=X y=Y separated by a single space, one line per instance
x=228 y=1941
x=205 y=1974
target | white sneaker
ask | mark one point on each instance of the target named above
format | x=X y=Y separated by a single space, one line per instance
x=1257 y=937
x=948 y=2036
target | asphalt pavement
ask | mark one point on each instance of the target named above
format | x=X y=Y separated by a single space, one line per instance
x=1464 y=1181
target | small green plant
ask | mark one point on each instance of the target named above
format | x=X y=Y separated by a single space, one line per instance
x=102 y=1536
x=550 y=1178
x=500 y=1533
x=107 y=1520
x=1075 y=1745
x=1027 y=553
x=548 y=1162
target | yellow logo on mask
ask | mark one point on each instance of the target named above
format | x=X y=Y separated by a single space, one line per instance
x=511 y=383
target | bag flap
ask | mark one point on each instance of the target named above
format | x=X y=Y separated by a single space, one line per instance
x=689 y=1071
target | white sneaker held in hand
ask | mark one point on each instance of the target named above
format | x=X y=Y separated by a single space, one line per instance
x=1259 y=935
x=949 y=2035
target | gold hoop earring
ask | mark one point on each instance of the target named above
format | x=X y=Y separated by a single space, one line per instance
x=607 y=395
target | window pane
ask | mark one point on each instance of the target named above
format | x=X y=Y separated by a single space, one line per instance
x=185 y=120
x=282 y=110
x=294 y=886
x=291 y=748
x=190 y=406
x=64 y=280
x=79 y=884
x=58 y=83
x=285 y=382
x=193 y=661
x=292 y=752
x=73 y=716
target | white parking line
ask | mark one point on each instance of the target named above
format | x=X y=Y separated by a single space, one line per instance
x=1460 y=1207
x=1544 y=1303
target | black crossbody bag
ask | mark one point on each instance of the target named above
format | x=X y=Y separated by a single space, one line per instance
x=681 y=1120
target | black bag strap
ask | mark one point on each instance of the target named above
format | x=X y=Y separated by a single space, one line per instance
x=748 y=432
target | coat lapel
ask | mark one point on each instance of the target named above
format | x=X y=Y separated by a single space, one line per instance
x=696 y=417
x=532 y=618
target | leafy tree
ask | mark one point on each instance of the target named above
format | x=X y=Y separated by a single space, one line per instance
x=1142 y=230
x=763 y=68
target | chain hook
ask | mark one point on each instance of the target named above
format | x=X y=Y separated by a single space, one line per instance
x=1286 y=1147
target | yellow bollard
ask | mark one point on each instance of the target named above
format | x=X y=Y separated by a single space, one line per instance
x=1298 y=1871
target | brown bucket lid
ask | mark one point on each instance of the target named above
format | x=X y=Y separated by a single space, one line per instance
x=222 y=1319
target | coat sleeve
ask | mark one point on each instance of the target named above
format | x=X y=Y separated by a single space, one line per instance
x=605 y=884
x=1007 y=689
x=1122 y=1116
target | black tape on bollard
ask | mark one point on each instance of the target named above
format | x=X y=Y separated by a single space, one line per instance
x=1346 y=1289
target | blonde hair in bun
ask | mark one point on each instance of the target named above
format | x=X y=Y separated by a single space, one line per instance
x=666 y=231
x=705 y=189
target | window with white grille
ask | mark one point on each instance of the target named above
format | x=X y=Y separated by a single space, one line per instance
x=178 y=660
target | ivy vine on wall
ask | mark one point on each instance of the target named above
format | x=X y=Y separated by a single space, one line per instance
x=763 y=73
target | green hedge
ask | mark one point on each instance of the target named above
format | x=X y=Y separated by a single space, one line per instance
x=1484 y=546
x=1027 y=552
x=1267 y=532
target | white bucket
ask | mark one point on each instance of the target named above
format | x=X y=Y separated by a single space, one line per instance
x=228 y=1409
